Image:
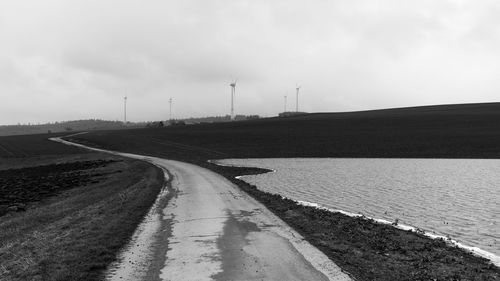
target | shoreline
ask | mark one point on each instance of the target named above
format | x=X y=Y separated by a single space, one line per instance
x=493 y=258
x=439 y=260
x=477 y=251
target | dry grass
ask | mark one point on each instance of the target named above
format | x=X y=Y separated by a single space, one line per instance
x=75 y=235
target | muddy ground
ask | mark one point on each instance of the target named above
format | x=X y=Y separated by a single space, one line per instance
x=20 y=187
x=66 y=216
x=369 y=250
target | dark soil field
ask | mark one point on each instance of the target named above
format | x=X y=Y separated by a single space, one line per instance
x=64 y=212
x=367 y=250
x=452 y=131
x=33 y=146
x=19 y=187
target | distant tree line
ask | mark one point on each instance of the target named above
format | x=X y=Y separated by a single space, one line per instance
x=216 y=119
x=64 y=126
x=159 y=124
x=98 y=124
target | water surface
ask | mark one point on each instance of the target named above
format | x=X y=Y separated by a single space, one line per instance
x=459 y=198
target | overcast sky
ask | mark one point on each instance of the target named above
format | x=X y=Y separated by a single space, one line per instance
x=66 y=60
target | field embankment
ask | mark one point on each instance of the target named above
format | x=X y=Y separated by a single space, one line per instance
x=366 y=249
x=65 y=213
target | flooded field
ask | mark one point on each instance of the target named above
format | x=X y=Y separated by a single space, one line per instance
x=450 y=197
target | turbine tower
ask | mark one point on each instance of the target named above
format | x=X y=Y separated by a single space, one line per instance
x=297 y=99
x=170 y=112
x=285 y=104
x=233 y=93
x=125 y=109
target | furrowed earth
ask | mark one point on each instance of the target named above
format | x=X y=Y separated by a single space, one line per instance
x=19 y=187
x=65 y=213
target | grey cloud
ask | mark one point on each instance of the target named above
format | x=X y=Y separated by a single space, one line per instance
x=348 y=55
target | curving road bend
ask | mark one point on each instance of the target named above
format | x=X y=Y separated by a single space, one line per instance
x=206 y=228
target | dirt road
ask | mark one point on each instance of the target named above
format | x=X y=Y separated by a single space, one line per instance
x=205 y=228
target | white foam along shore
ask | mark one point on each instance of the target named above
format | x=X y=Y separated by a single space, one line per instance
x=495 y=259
x=474 y=250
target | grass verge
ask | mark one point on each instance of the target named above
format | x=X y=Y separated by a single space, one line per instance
x=75 y=234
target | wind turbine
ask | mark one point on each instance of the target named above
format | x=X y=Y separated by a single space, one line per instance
x=285 y=104
x=233 y=93
x=170 y=112
x=297 y=98
x=125 y=109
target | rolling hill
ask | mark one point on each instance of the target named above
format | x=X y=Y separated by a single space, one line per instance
x=443 y=131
